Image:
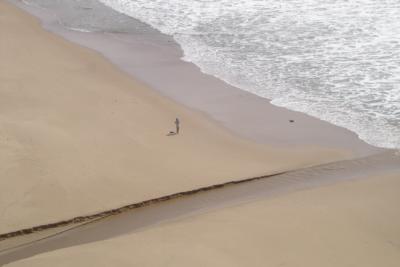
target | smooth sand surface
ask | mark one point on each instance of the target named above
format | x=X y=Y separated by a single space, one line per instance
x=78 y=136
x=353 y=223
x=17 y=242
x=202 y=202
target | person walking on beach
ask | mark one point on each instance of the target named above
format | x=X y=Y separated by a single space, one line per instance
x=177 y=122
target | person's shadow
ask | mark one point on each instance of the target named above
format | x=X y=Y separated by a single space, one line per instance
x=171 y=133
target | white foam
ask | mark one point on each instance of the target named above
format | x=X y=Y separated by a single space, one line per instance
x=337 y=60
x=78 y=29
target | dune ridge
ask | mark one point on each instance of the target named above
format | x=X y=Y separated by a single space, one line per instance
x=200 y=200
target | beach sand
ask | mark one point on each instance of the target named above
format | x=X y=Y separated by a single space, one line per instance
x=78 y=136
x=353 y=223
x=204 y=201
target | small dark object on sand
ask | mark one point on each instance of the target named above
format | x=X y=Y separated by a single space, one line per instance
x=171 y=133
x=291 y=120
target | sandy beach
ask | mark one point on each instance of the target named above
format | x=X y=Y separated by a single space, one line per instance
x=353 y=223
x=155 y=60
x=185 y=208
x=80 y=134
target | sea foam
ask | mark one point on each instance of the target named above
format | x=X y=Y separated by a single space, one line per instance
x=336 y=60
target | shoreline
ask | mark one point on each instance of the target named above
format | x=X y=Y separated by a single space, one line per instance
x=79 y=131
x=155 y=60
x=81 y=136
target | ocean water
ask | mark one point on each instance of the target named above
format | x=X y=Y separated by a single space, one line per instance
x=337 y=60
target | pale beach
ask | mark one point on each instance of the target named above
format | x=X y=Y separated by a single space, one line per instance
x=350 y=225
x=92 y=172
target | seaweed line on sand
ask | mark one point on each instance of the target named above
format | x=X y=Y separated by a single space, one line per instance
x=107 y=213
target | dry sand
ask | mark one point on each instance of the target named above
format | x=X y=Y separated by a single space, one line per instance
x=205 y=201
x=78 y=136
x=353 y=223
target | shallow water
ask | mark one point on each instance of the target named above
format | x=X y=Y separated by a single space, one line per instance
x=337 y=60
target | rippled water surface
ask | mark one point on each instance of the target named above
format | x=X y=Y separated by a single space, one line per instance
x=337 y=60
